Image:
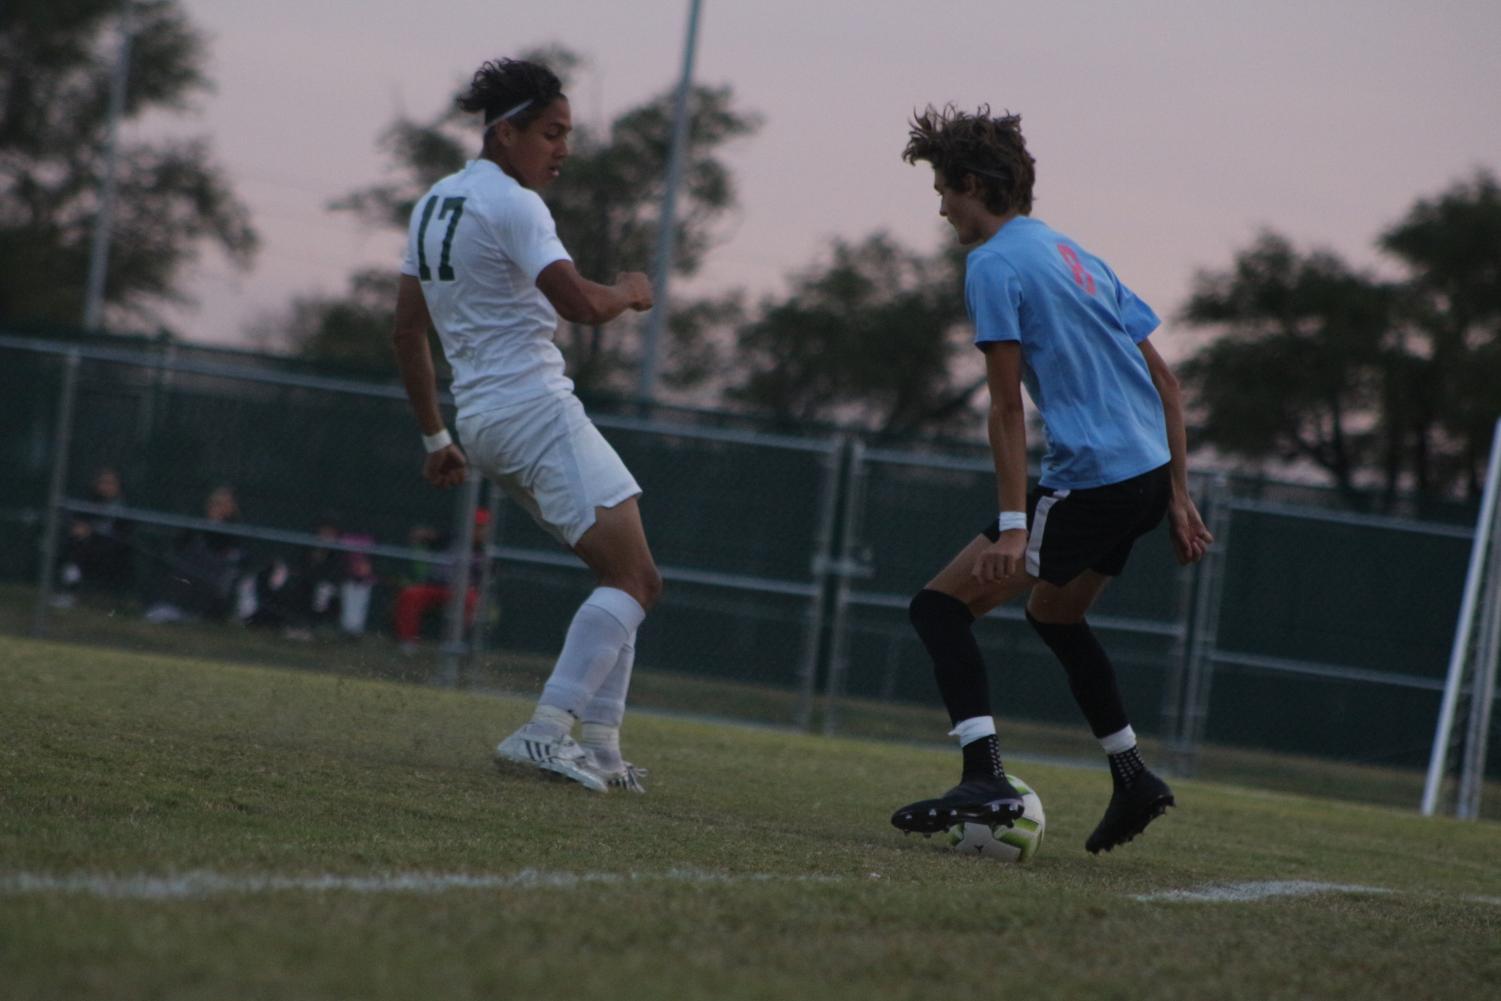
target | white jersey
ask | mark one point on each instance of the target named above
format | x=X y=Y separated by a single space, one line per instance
x=477 y=242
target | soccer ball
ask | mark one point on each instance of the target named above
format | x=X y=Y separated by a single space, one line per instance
x=1017 y=843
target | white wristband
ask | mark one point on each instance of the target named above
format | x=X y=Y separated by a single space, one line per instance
x=1010 y=520
x=437 y=442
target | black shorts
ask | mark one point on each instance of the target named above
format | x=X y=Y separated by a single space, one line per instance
x=1076 y=530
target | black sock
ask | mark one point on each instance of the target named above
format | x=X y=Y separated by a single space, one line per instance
x=1091 y=676
x=982 y=759
x=943 y=622
x=1127 y=766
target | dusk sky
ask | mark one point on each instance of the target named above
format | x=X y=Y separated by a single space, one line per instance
x=1167 y=132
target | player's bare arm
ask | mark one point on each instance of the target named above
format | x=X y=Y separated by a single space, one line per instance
x=446 y=466
x=1191 y=538
x=1006 y=425
x=579 y=300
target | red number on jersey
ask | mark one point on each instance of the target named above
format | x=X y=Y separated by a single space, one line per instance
x=1082 y=278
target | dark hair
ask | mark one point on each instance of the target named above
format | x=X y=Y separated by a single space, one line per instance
x=501 y=84
x=957 y=143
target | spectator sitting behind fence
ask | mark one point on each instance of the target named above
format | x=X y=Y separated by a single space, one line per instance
x=203 y=567
x=320 y=576
x=355 y=588
x=96 y=554
x=324 y=589
x=424 y=538
x=272 y=598
x=335 y=583
x=414 y=601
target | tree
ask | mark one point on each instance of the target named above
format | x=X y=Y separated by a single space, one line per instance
x=870 y=339
x=1300 y=369
x=55 y=65
x=606 y=206
x=1394 y=382
x=337 y=329
x=1450 y=310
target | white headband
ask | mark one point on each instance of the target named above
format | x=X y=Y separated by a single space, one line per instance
x=507 y=114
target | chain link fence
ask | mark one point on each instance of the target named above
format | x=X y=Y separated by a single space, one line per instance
x=789 y=560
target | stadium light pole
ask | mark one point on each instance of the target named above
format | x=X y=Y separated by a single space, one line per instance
x=93 y=302
x=657 y=320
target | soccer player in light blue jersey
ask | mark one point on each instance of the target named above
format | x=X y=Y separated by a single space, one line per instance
x=1054 y=318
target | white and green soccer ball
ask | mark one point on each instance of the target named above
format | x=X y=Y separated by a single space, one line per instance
x=1017 y=843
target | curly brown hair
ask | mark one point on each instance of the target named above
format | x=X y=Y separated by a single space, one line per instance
x=992 y=150
x=502 y=84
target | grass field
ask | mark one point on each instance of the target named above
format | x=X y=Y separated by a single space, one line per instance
x=120 y=627
x=176 y=828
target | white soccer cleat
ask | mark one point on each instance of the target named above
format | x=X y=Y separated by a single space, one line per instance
x=559 y=755
x=624 y=777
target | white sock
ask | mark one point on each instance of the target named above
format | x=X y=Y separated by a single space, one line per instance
x=967 y=731
x=608 y=704
x=555 y=722
x=604 y=740
x=606 y=711
x=604 y=624
x=1121 y=740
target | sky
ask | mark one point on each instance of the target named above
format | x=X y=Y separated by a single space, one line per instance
x=1168 y=133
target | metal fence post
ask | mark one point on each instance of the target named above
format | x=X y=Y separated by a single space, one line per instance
x=1189 y=582
x=465 y=504
x=823 y=544
x=62 y=442
x=1199 y=670
x=843 y=570
x=1172 y=699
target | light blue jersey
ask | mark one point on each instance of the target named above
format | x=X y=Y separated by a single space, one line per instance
x=1078 y=327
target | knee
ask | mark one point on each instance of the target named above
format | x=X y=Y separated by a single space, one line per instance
x=931 y=609
x=1042 y=614
x=645 y=585
x=651 y=585
x=1061 y=633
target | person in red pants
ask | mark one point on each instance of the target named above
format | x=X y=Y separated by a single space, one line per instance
x=414 y=601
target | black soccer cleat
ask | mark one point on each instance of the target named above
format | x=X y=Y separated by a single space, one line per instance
x=1131 y=809
x=986 y=800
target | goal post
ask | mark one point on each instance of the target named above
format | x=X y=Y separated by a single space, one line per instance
x=1471 y=680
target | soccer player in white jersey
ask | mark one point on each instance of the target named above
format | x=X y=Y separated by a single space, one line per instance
x=485 y=266
x=1053 y=317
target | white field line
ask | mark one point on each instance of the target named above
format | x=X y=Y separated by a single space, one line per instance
x=1241 y=893
x=201 y=884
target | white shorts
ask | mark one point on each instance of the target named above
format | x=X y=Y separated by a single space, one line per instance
x=551 y=459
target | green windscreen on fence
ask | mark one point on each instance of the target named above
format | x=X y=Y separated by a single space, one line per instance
x=1366 y=601
x=790 y=561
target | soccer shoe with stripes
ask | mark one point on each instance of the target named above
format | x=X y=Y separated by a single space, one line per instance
x=987 y=800
x=626 y=778
x=1131 y=809
x=559 y=755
